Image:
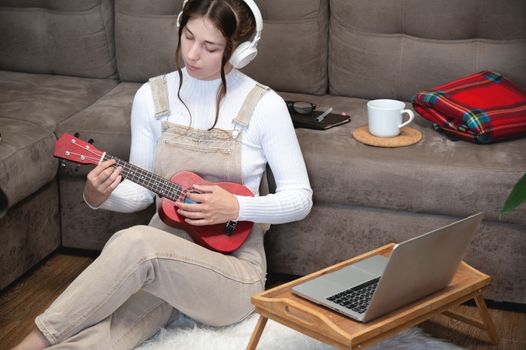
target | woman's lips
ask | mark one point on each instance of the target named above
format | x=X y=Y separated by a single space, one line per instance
x=191 y=68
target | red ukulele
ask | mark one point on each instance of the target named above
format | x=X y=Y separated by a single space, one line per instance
x=224 y=238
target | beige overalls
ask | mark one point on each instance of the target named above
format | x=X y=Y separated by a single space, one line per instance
x=145 y=275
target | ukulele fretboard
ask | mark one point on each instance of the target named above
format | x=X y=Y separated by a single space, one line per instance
x=147 y=179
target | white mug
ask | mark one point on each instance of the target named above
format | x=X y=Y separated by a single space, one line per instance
x=385 y=117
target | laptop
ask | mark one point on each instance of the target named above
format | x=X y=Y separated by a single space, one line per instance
x=378 y=285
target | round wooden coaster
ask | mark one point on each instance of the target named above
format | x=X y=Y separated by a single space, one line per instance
x=408 y=136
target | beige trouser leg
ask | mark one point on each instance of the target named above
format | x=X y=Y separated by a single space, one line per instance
x=209 y=287
x=136 y=320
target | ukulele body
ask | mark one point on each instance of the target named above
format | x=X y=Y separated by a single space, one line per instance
x=210 y=236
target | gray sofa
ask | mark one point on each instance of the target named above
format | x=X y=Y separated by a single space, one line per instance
x=74 y=66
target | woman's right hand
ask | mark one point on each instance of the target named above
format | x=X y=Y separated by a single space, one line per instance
x=101 y=182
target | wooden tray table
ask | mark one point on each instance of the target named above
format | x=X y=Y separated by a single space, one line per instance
x=280 y=305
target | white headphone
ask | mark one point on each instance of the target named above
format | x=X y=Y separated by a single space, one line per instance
x=246 y=51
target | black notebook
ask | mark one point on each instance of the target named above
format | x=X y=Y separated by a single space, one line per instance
x=309 y=121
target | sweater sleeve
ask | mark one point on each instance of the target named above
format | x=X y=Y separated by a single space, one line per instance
x=292 y=199
x=129 y=197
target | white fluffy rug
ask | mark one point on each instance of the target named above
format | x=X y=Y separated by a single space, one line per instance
x=185 y=334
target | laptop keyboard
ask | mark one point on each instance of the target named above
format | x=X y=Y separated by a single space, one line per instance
x=356 y=298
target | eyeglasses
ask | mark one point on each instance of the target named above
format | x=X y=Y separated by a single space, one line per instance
x=300 y=107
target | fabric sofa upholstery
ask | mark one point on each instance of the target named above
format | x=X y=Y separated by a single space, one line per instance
x=25 y=145
x=56 y=59
x=295 y=43
x=401 y=47
x=58 y=37
x=47 y=100
x=29 y=232
x=334 y=53
x=145 y=45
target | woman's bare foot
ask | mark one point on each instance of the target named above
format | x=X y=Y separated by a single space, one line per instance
x=33 y=341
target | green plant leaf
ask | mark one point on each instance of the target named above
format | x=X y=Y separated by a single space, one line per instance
x=516 y=197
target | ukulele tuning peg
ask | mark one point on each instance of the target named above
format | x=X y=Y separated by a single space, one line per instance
x=77 y=167
x=90 y=141
x=63 y=164
x=76 y=134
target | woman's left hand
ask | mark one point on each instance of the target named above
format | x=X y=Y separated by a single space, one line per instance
x=214 y=205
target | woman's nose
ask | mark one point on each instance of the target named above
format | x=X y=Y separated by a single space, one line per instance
x=193 y=52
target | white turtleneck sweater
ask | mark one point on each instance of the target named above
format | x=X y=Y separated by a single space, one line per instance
x=270 y=138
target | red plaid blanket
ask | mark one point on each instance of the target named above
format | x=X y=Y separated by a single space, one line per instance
x=482 y=108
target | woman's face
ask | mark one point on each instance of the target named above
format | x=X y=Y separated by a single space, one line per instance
x=202 y=46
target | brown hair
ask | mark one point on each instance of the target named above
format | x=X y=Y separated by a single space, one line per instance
x=235 y=21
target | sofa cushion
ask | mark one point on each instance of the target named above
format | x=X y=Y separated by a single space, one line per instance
x=435 y=176
x=26 y=158
x=29 y=232
x=146 y=38
x=388 y=54
x=58 y=37
x=47 y=99
x=292 y=53
x=107 y=122
x=435 y=19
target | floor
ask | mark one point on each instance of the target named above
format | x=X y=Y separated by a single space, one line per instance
x=27 y=297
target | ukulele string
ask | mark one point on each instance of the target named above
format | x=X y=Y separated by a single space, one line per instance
x=159 y=184
x=88 y=149
x=166 y=188
x=82 y=156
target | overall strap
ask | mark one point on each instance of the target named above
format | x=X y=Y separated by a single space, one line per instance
x=253 y=97
x=160 y=95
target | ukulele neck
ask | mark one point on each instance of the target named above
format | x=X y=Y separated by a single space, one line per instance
x=155 y=183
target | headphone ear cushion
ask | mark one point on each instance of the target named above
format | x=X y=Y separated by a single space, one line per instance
x=243 y=54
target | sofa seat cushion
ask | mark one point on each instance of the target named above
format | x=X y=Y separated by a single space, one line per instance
x=106 y=121
x=435 y=176
x=26 y=159
x=47 y=99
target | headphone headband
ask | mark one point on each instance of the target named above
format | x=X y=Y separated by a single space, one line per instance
x=247 y=50
x=258 y=18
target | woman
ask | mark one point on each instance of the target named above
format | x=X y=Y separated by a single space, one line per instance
x=222 y=125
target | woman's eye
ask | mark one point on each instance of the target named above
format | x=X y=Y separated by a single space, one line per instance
x=188 y=35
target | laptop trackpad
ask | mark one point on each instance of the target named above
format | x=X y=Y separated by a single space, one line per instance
x=359 y=272
x=375 y=265
x=347 y=277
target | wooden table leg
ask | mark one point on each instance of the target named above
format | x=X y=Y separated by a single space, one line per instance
x=486 y=318
x=485 y=324
x=254 y=339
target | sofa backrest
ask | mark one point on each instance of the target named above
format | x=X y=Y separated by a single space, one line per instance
x=292 y=53
x=145 y=37
x=58 y=37
x=394 y=48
